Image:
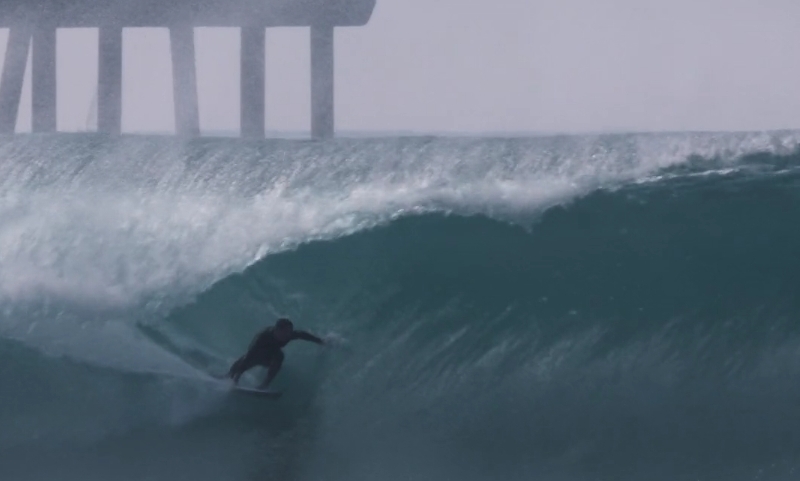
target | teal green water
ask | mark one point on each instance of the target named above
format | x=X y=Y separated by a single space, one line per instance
x=565 y=308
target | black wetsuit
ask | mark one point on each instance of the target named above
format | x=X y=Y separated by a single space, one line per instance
x=265 y=350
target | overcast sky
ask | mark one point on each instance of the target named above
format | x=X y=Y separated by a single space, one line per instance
x=483 y=66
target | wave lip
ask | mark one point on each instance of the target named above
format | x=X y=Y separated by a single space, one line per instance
x=123 y=221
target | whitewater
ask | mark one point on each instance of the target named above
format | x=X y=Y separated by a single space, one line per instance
x=559 y=308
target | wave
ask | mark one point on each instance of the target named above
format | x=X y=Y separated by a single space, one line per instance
x=636 y=322
x=651 y=327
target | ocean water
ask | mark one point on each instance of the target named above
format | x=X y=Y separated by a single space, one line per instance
x=606 y=307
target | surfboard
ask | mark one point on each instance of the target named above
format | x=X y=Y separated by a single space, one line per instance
x=250 y=391
x=258 y=392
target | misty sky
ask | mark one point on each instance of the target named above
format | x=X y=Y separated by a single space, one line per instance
x=482 y=66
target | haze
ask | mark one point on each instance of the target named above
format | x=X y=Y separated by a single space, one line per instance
x=478 y=66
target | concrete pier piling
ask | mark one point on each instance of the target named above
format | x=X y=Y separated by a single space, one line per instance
x=322 y=81
x=184 y=80
x=13 y=75
x=43 y=78
x=253 y=82
x=109 y=83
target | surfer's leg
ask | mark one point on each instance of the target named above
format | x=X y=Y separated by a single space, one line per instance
x=275 y=363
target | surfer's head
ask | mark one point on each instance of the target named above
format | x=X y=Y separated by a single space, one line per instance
x=284 y=329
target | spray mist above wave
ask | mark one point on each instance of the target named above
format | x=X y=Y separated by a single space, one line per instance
x=114 y=223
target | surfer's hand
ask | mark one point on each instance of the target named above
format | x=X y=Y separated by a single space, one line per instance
x=334 y=340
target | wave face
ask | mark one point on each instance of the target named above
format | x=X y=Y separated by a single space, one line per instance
x=564 y=308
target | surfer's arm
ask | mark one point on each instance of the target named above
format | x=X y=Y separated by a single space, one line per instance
x=307 y=336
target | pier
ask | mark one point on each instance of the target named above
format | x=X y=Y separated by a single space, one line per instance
x=33 y=24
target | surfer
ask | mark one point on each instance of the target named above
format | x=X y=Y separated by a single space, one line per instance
x=265 y=350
